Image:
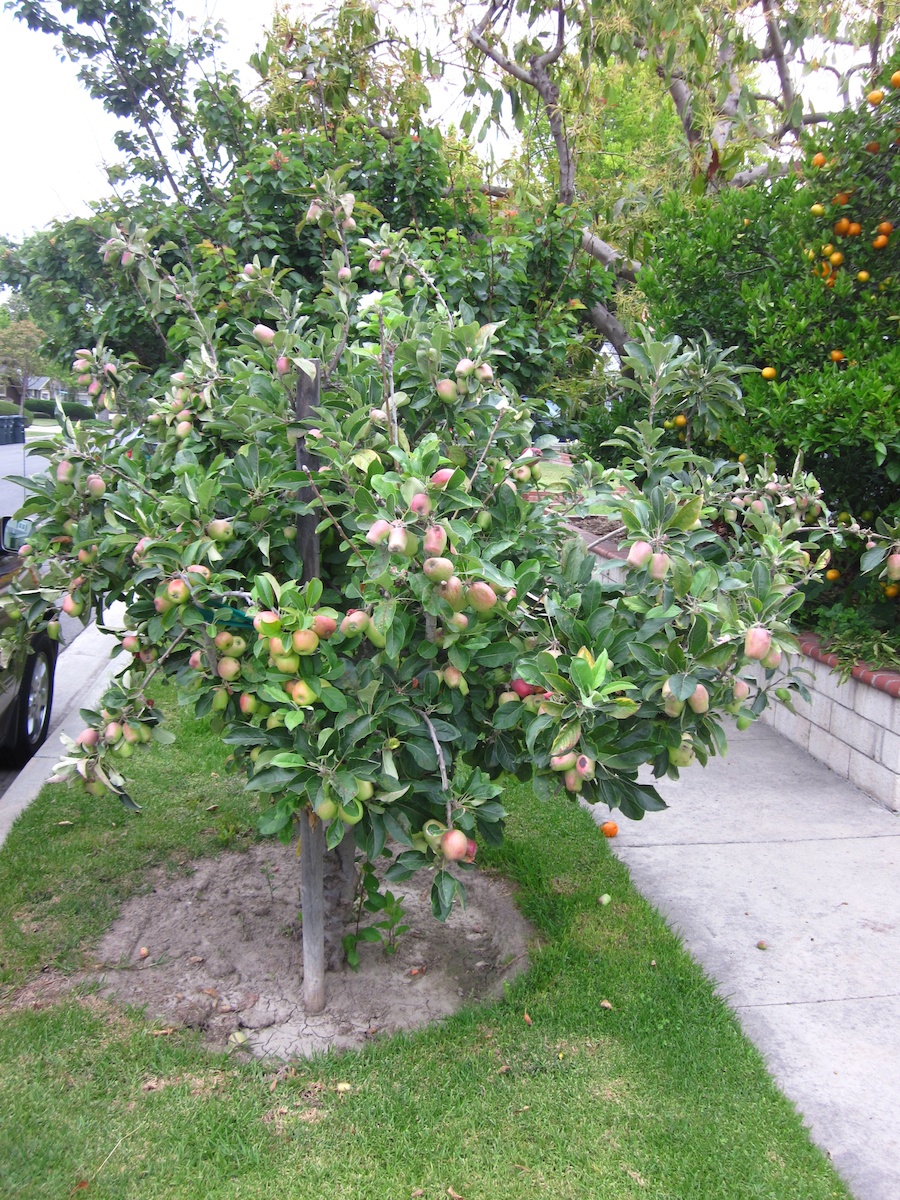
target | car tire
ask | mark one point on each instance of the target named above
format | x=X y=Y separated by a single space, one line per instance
x=33 y=704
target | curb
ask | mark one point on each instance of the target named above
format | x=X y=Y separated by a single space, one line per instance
x=83 y=670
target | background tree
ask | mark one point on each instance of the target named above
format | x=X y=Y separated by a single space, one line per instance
x=21 y=360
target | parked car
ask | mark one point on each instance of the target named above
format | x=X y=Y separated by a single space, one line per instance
x=26 y=683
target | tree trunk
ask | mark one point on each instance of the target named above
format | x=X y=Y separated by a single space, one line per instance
x=312 y=907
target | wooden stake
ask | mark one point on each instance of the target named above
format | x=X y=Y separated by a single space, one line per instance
x=312 y=905
x=308 y=395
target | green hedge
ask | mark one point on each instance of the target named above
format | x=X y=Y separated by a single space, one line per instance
x=9 y=408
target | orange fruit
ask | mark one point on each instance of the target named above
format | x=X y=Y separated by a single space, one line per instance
x=818 y=209
x=681 y=421
x=880 y=242
x=832 y=575
x=819 y=160
x=829 y=282
x=837 y=356
x=892 y=590
x=885 y=227
x=827 y=249
x=742 y=458
x=836 y=259
x=841 y=198
x=855 y=229
x=609 y=829
x=863 y=276
x=768 y=372
x=873 y=147
x=876 y=97
x=842 y=227
x=895 y=79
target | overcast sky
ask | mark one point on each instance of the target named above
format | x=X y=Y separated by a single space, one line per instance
x=53 y=137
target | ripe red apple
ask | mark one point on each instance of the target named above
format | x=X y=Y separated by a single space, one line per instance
x=453 y=592
x=86 y=556
x=458 y=622
x=446 y=389
x=454 y=845
x=223 y=639
x=563 y=762
x=481 y=596
x=435 y=541
x=196 y=660
x=378 y=532
x=267 y=623
x=65 y=471
x=639 y=554
x=183 y=430
x=354 y=624
x=523 y=689
x=344 y=274
x=659 y=566
x=485 y=372
x=264 y=334
x=771 y=660
x=88 y=738
x=453 y=677
x=375 y=265
x=438 y=570
x=282 y=364
x=305 y=641
x=698 y=701
x=441 y=478
x=95 y=486
x=199 y=569
x=324 y=625
x=757 y=642
x=301 y=692
x=398 y=540
x=741 y=689
x=178 y=591
x=573 y=781
x=585 y=766
x=892 y=567
x=421 y=504
x=228 y=669
x=73 y=606
x=464 y=367
x=247 y=703
x=112 y=732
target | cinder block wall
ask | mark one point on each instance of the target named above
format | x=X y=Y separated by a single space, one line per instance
x=852 y=727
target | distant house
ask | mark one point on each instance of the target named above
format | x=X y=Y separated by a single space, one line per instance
x=40 y=387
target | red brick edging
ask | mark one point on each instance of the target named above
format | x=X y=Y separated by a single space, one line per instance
x=885 y=681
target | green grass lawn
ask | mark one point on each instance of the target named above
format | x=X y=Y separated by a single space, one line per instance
x=658 y=1096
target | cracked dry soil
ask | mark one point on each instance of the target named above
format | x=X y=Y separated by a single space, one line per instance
x=220 y=950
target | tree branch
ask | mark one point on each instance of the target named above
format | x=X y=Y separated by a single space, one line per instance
x=609 y=326
x=609 y=256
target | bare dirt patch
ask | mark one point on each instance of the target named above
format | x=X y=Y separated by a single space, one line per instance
x=220 y=950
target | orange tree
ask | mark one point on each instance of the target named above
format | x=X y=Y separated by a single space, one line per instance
x=802 y=276
x=454 y=630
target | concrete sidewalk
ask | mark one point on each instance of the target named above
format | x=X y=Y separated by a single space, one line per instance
x=767 y=846
x=82 y=673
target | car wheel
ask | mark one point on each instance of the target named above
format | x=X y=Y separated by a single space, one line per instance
x=33 y=705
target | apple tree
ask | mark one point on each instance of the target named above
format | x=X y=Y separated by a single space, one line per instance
x=446 y=627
